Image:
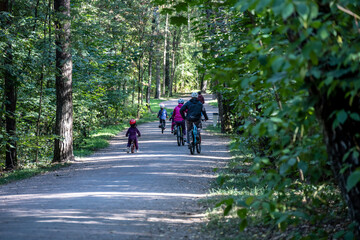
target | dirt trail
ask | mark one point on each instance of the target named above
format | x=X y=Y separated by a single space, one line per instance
x=114 y=195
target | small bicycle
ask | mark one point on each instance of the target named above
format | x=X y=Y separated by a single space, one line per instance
x=195 y=140
x=132 y=147
x=179 y=135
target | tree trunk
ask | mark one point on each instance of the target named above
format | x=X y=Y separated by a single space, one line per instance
x=175 y=45
x=166 y=69
x=63 y=149
x=139 y=89
x=211 y=30
x=10 y=94
x=203 y=83
x=39 y=115
x=133 y=93
x=151 y=55
x=157 y=63
x=220 y=100
x=158 y=79
x=340 y=140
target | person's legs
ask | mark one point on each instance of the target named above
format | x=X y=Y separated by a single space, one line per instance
x=136 y=144
x=172 y=125
x=189 y=128
x=198 y=125
x=183 y=127
x=128 y=145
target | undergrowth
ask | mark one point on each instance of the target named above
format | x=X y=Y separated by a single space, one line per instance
x=239 y=206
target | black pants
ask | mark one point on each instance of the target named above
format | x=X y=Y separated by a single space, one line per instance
x=189 y=127
x=162 y=121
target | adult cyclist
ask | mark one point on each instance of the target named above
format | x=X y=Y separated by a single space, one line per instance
x=194 y=110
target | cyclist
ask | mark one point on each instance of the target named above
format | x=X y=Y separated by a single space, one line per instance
x=131 y=133
x=162 y=115
x=178 y=119
x=194 y=110
x=201 y=97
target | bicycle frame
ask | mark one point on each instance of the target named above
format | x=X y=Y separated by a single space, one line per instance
x=178 y=125
x=195 y=131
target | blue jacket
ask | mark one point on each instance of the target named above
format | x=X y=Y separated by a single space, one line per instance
x=162 y=114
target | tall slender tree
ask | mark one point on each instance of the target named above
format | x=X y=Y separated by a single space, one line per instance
x=10 y=93
x=151 y=55
x=63 y=149
x=175 y=46
x=166 y=55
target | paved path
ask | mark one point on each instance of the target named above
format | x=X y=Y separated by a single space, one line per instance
x=113 y=195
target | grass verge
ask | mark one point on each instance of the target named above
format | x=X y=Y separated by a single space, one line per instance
x=213 y=103
x=19 y=174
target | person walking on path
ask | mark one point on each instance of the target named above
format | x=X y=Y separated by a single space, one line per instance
x=194 y=110
x=201 y=97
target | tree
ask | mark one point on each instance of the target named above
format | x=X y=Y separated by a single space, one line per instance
x=63 y=148
x=175 y=46
x=10 y=91
x=166 y=64
x=151 y=54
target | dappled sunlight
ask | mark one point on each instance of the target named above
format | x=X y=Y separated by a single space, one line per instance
x=77 y=216
x=122 y=194
x=73 y=195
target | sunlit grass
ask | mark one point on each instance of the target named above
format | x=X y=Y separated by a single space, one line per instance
x=213 y=103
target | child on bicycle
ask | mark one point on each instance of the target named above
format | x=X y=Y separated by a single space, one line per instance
x=162 y=115
x=178 y=120
x=131 y=133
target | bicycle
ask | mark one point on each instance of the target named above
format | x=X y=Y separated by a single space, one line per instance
x=179 y=135
x=132 y=147
x=195 y=141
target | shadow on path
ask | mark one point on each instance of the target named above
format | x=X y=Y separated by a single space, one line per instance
x=114 y=195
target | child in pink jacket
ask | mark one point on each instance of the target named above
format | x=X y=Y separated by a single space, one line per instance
x=177 y=116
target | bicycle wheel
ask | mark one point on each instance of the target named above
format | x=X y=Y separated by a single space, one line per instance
x=178 y=135
x=182 y=137
x=192 y=145
x=198 y=147
x=192 y=148
x=132 y=147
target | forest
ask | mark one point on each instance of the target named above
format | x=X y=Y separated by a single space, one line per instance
x=285 y=75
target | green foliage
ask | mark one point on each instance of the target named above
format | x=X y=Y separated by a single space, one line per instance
x=105 y=79
x=272 y=61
